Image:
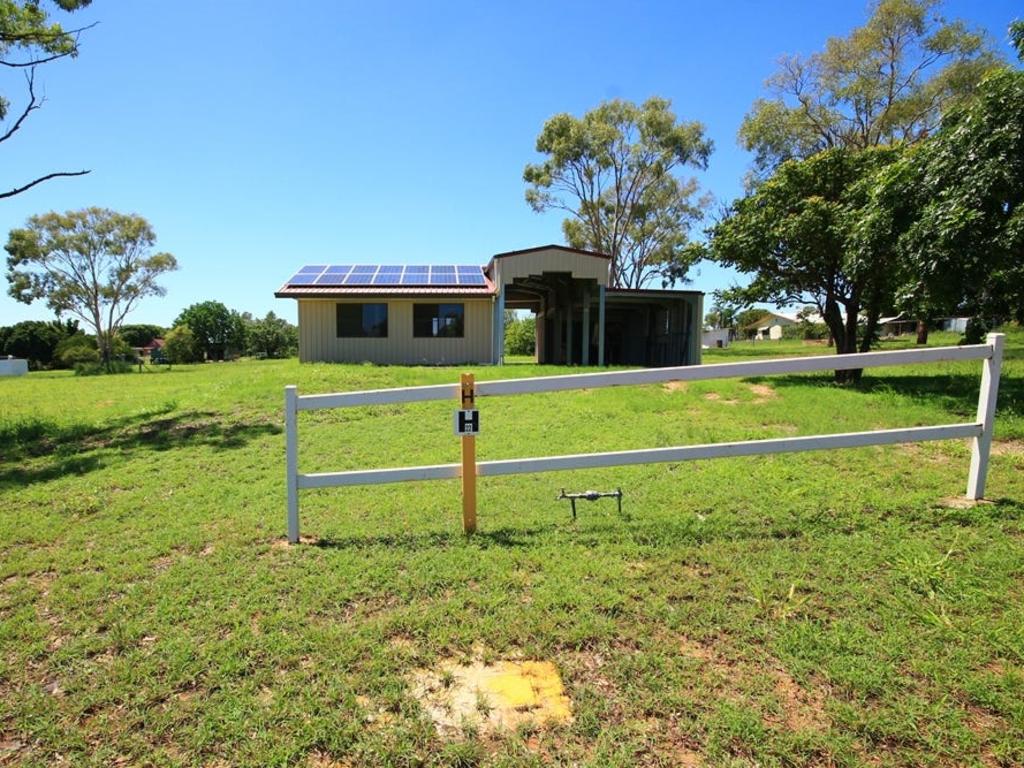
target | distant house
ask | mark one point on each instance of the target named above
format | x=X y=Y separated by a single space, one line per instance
x=716 y=338
x=454 y=314
x=770 y=325
x=897 y=325
x=155 y=346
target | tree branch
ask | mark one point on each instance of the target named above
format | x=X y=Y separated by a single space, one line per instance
x=40 y=180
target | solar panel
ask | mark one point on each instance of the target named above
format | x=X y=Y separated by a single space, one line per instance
x=415 y=278
x=389 y=274
x=331 y=278
x=358 y=279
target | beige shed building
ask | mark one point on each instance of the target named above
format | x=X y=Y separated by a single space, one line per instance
x=455 y=314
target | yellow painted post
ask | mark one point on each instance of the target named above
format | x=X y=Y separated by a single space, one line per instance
x=467 y=401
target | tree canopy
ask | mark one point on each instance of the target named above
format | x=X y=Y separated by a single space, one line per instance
x=29 y=39
x=95 y=264
x=216 y=329
x=956 y=206
x=886 y=81
x=615 y=171
x=797 y=234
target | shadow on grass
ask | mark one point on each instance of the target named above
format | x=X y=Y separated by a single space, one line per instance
x=47 y=449
x=688 y=529
x=957 y=393
x=501 y=537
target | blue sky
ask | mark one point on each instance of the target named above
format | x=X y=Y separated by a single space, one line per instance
x=258 y=136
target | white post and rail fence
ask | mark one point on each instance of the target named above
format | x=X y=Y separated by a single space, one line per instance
x=466 y=392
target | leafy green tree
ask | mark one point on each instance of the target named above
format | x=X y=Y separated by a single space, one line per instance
x=887 y=81
x=181 y=346
x=520 y=334
x=35 y=340
x=95 y=264
x=1017 y=38
x=271 y=337
x=29 y=39
x=616 y=173
x=217 y=329
x=956 y=205
x=140 y=335
x=797 y=235
x=721 y=316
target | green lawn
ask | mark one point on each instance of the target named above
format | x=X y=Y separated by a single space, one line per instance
x=807 y=609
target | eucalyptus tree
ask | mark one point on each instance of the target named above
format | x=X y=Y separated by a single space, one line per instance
x=95 y=264
x=617 y=172
x=887 y=81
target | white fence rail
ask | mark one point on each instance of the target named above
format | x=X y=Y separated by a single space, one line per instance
x=979 y=430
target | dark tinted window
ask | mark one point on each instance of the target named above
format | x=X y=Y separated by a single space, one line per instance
x=437 y=320
x=358 y=320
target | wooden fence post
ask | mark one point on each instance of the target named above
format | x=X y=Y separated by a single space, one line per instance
x=291 y=436
x=982 y=444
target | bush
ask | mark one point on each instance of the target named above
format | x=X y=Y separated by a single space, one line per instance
x=98 y=369
x=180 y=346
x=74 y=354
x=520 y=336
x=805 y=331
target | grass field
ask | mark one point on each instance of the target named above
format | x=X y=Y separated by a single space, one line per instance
x=807 y=609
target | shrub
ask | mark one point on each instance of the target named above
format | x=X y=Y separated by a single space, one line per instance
x=74 y=354
x=180 y=346
x=98 y=369
x=520 y=336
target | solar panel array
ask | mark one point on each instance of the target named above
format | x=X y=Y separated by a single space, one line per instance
x=388 y=274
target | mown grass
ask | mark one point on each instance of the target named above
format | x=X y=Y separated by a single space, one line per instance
x=810 y=609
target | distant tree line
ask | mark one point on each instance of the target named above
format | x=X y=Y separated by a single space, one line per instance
x=198 y=334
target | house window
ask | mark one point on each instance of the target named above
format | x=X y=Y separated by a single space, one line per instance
x=437 y=321
x=362 y=320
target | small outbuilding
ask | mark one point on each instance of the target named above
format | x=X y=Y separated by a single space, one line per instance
x=455 y=314
x=13 y=366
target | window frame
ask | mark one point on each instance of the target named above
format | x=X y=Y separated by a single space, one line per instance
x=364 y=323
x=436 y=316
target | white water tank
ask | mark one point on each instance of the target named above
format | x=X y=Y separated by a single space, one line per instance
x=13 y=366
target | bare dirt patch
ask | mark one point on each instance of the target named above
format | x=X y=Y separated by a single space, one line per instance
x=492 y=697
x=675 y=386
x=801 y=709
x=763 y=393
x=962 y=502
x=717 y=398
x=1013 y=448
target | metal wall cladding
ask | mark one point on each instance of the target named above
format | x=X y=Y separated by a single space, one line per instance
x=319 y=342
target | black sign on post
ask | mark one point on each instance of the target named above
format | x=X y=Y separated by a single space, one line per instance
x=467 y=422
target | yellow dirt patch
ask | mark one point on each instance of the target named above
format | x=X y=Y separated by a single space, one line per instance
x=492 y=697
x=674 y=386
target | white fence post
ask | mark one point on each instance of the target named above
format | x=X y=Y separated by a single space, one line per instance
x=982 y=444
x=291 y=436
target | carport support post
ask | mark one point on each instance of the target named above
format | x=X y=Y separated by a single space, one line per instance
x=467 y=402
x=585 y=351
x=982 y=444
x=600 y=325
x=291 y=436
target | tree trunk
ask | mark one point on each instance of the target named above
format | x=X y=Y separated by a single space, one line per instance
x=922 y=331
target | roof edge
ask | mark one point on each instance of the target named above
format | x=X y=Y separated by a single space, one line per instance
x=554 y=246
